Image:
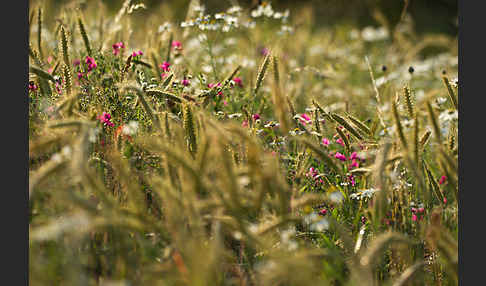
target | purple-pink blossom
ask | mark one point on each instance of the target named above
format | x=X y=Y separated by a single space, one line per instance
x=105 y=118
x=442 y=180
x=165 y=66
x=32 y=86
x=91 y=63
x=116 y=47
x=264 y=51
x=238 y=81
x=185 y=82
x=340 y=156
x=176 y=45
x=139 y=53
x=325 y=141
x=340 y=141
x=306 y=118
x=351 y=179
x=58 y=87
x=256 y=116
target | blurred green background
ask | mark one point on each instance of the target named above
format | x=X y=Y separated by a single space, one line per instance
x=430 y=16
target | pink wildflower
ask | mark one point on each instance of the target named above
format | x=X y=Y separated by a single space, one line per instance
x=134 y=54
x=116 y=47
x=256 y=116
x=354 y=156
x=176 y=45
x=414 y=217
x=312 y=172
x=340 y=142
x=211 y=85
x=105 y=118
x=49 y=59
x=442 y=180
x=80 y=75
x=323 y=212
x=325 y=141
x=58 y=87
x=445 y=201
x=91 y=63
x=354 y=164
x=351 y=179
x=264 y=51
x=165 y=66
x=363 y=219
x=238 y=81
x=185 y=82
x=340 y=156
x=244 y=123
x=306 y=118
x=32 y=86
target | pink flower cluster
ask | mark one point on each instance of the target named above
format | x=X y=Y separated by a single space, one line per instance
x=116 y=47
x=91 y=63
x=165 y=66
x=106 y=119
x=418 y=211
x=306 y=119
x=314 y=173
x=256 y=116
x=340 y=156
x=351 y=180
x=139 y=53
x=32 y=86
x=185 y=82
x=354 y=158
x=211 y=85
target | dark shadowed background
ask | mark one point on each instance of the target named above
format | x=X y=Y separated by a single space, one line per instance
x=430 y=16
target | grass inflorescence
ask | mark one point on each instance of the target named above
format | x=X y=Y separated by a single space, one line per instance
x=160 y=153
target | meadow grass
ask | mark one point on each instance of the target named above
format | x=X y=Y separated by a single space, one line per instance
x=239 y=148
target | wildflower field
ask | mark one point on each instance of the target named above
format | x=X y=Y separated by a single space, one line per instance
x=249 y=146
